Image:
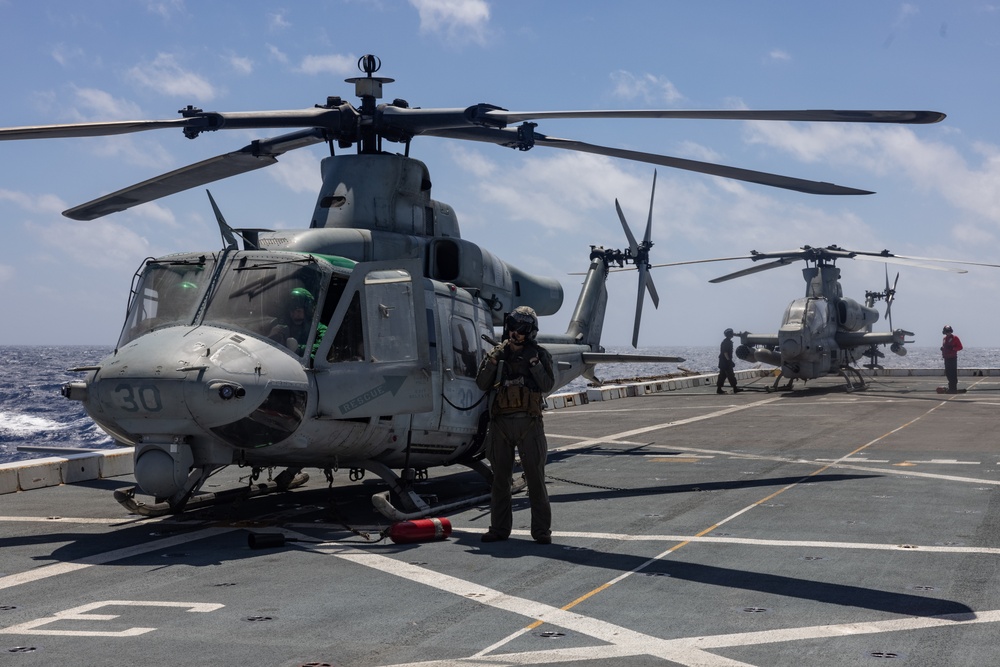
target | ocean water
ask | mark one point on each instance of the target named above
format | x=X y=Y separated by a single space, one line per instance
x=33 y=412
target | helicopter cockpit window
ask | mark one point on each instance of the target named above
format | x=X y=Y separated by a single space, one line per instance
x=795 y=313
x=816 y=315
x=273 y=299
x=168 y=294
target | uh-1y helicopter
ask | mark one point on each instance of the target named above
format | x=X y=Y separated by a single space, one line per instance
x=379 y=377
x=825 y=332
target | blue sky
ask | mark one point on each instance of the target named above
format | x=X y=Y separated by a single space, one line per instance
x=938 y=187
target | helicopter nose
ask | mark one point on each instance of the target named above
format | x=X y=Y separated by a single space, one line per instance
x=790 y=348
x=189 y=382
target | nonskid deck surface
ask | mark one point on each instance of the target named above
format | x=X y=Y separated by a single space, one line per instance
x=813 y=527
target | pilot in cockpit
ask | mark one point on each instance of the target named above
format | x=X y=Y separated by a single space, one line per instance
x=297 y=322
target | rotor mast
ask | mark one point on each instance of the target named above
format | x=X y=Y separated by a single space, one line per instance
x=369 y=89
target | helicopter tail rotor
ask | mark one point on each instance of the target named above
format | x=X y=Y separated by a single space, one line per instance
x=638 y=254
x=890 y=296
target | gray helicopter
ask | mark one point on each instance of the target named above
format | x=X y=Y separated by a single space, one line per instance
x=825 y=332
x=351 y=343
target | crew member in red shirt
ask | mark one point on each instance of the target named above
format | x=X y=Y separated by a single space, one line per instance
x=950 y=347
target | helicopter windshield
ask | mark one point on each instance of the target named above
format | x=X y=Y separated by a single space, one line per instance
x=806 y=314
x=816 y=315
x=168 y=294
x=265 y=295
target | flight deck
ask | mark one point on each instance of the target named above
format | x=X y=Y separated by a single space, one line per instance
x=809 y=527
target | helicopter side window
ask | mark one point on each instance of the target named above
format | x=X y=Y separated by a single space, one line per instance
x=390 y=316
x=349 y=343
x=463 y=344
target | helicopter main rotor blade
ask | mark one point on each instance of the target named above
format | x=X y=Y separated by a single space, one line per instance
x=196 y=121
x=896 y=259
x=256 y=155
x=886 y=254
x=806 y=115
x=72 y=130
x=784 y=261
x=515 y=139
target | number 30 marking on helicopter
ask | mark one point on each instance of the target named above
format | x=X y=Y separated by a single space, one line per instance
x=148 y=396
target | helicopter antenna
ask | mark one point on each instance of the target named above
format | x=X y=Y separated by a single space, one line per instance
x=228 y=237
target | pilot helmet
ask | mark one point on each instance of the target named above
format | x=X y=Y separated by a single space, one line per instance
x=524 y=321
x=301 y=298
x=947 y=329
x=728 y=333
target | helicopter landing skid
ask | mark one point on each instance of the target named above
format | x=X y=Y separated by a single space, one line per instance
x=775 y=387
x=414 y=506
x=851 y=386
x=127 y=499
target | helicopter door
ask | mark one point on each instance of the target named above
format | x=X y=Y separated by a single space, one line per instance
x=374 y=358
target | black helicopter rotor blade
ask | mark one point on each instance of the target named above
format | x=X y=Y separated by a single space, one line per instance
x=513 y=138
x=256 y=155
x=784 y=261
x=196 y=121
x=648 y=236
x=806 y=115
x=633 y=245
x=342 y=121
x=102 y=129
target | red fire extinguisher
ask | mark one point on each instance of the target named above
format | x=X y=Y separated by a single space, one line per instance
x=420 y=530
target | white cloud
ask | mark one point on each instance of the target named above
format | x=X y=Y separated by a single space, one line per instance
x=464 y=20
x=298 y=171
x=66 y=55
x=277 y=54
x=932 y=166
x=778 y=55
x=133 y=151
x=7 y=273
x=328 y=64
x=43 y=204
x=95 y=104
x=648 y=88
x=166 y=76
x=277 y=21
x=240 y=64
x=165 y=8
x=97 y=244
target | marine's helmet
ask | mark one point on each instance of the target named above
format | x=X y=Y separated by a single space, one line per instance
x=947 y=329
x=301 y=298
x=524 y=321
x=727 y=333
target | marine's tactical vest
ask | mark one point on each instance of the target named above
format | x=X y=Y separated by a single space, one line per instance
x=516 y=389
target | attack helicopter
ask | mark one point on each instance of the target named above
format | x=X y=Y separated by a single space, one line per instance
x=825 y=332
x=351 y=343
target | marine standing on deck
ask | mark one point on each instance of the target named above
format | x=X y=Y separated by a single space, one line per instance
x=726 y=364
x=520 y=373
x=950 y=347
